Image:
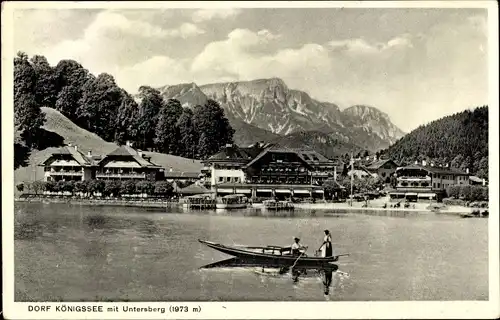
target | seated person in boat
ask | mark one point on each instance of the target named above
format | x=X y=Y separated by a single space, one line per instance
x=297 y=249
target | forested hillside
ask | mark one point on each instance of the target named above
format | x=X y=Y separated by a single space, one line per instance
x=97 y=104
x=460 y=140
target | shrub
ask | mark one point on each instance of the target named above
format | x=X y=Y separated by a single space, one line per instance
x=20 y=187
x=163 y=188
x=145 y=186
x=127 y=187
x=38 y=186
x=112 y=187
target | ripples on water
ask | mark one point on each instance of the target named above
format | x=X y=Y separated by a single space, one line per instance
x=81 y=253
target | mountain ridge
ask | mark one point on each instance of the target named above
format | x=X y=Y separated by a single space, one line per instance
x=269 y=104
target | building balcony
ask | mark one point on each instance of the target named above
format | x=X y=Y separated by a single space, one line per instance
x=414 y=179
x=414 y=189
x=65 y=173
x=121 y=175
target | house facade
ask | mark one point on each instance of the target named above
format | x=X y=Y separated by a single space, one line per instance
x=384 y=169
x=266 y=172
x=68 y=164
x=125 y=163
x=419 y=182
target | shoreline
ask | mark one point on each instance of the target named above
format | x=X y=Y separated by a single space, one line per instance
x=338 y=207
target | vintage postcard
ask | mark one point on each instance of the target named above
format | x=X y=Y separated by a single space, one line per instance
x=250 y=160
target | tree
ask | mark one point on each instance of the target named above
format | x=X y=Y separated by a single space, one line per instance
x=150 y=104
x=38 y=186
x=483 y=168
x=112 y=187
x=50 y=186
x=145 y=186
x=163 y=188
x=45 y=89
x=188 y=134
x=70 y=77
x=127 y=187
x=99 y=105
x=167 y=134
x=126 y=121
x=20 y=187
x=215 y=130
x=28 y=117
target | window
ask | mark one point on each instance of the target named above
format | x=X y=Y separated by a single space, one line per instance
x=383 y=174
x=236 y=179
x=439 y=185
x=228 y=179
x=221 y=179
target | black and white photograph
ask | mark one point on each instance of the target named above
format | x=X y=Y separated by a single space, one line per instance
x=184 y=159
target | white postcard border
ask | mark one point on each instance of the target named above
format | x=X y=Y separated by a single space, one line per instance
x=245 y=310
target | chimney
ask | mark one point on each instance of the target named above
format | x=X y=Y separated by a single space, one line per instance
x=416 y=161
x=467 y=170
x=70 y=145
x=170 y=169
x=484 y=182
x=432 y=164
x=76 y=148
x=127 y=143
x=89 y=154
x=228 y=145
x=140 y=154
x=335 y=173
x=424 y=163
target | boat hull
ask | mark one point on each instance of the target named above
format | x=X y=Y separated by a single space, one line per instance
x=231 y=206
x=266 y=259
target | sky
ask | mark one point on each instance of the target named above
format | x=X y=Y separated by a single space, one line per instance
x=416 y=65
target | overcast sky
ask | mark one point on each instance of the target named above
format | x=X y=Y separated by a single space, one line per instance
x=416 y=65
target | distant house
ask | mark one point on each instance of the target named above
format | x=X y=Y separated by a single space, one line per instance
x=383 y=168
x=68 y=163
x=417 y=182
x=359 y=171
x=126 y=162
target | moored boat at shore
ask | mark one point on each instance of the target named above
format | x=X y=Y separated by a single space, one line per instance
x=232 y=201
x=201 y=201
x=278 y=205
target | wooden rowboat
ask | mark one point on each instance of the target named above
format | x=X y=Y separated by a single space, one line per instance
x=276 y=259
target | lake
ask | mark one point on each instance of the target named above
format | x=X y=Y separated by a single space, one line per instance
x=67 y=252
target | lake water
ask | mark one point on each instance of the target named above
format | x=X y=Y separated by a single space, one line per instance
x=87 y=253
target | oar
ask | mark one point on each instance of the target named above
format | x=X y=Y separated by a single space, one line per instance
x=299 y=257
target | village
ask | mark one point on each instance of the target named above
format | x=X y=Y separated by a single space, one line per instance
x=260 y=173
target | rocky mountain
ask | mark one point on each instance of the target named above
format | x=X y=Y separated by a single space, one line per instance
x=269 y=105
x=378 y=122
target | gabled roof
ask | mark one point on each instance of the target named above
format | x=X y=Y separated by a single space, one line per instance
x=476 y=179
x=194 y=189
x=277 y=149
x=231 y=153
x=378 y=164
x=74 y=153
x=130 y=152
